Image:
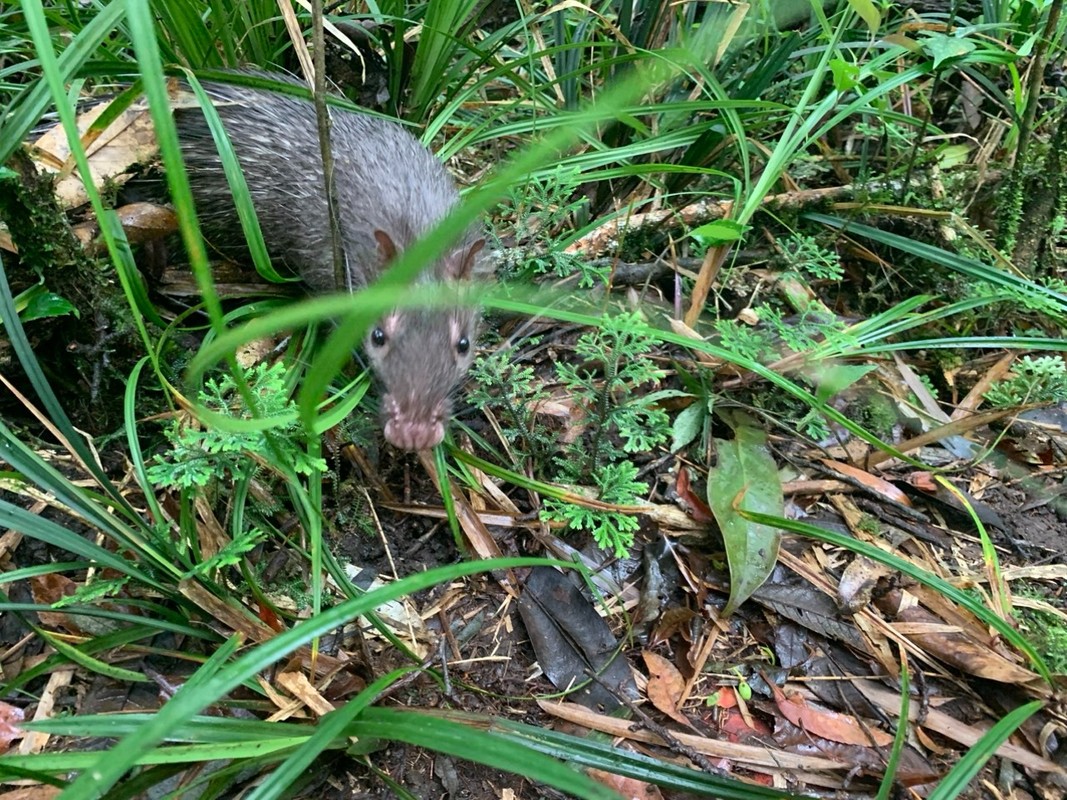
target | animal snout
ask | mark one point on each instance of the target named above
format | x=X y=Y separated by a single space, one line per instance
x=410 y=426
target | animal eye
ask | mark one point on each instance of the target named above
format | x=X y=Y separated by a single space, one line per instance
x=377 y=337
x=463 y=345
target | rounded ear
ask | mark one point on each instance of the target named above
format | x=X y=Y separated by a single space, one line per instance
x=459 y=264
x=385 y=246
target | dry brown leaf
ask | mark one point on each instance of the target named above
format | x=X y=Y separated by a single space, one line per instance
x=10 y=717
x=238 y=620
x=481 y=541
x=966 y=645
x=130 y=139
x=630 y=788
x=827 y=724
x=297 y=684
x=49 y=589
x=665 y=685
x=954 y=647
x=872 y=482
x=954 y=729
x=749 y=756
x=39 y=792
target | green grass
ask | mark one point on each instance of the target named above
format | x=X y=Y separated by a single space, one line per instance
x=584 y=118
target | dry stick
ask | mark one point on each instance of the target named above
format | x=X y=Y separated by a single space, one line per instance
x=322 y=116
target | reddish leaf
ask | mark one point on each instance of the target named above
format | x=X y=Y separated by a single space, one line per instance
x=10 y=717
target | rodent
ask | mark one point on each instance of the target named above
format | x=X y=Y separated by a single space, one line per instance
x=390 y=190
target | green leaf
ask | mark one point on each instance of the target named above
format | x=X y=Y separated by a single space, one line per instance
x=868 y=13
x=846 y=75
x=687 y=426
x=746 y=477
x=942 y=47
x=959 y=779
x=41 y=303
x=831 y=379
x=953 y=155
x=721 y=231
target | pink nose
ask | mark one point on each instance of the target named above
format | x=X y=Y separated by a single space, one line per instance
x=409 y=434
x=411 y=425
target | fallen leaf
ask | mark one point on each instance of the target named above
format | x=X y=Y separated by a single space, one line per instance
x=630 y=788
x=665 y=686
x=827 y=724
x=872 y=482
x=10 y=717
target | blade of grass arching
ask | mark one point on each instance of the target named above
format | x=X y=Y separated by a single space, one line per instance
x=444 y=489
x=546 y=308
x=988 y=617
x=335 y=410
x=374 y=301
x=87 y=662
x=1000 y=595
x=54 y=78
x=436 y=46
x=129 y=414
x=140 y=22
x=90 y=509
x=9 y=773
x=591 y=753
x=97 y=644
x=521 y=481
x=45 y=530
x=174 y=754
x=466 y=742
x=196 y=730
x=958 y=780
x=330 y=728
x=309 y=502
x=866 y=336
x=899 y=317
x=104 y=613
x=79 y=50
x=54 y=568
x=965 y=266
x=242 y=197
x=974 y=343
x=213 y=680
x=900 y=739
x=183 y=24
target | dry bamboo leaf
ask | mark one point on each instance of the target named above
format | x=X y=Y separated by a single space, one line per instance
x=954 y=729
x=297 y=684
x=749 y=756
x=872 y=482
x=35 y=741
x=130 y=139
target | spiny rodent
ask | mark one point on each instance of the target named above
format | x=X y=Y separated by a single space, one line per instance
x=390 y=191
